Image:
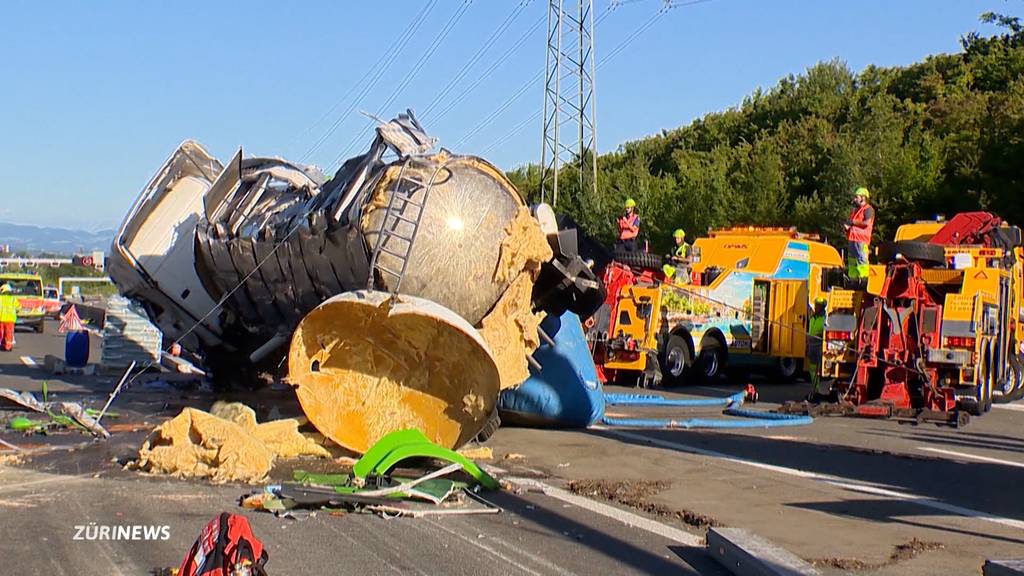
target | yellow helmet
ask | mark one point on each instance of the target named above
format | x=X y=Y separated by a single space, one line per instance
x=679 y=233
x=862 y=191
x=630 y=203
x=6 y=288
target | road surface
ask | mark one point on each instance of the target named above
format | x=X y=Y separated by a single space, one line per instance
x=851 y=495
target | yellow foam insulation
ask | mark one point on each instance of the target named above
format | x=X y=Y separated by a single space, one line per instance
x=198 y=444
x=524 y=248
x=362 y=370
x=510 y=328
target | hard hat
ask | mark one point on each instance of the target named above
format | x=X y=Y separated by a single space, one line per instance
x=5 y=288
x=862 y=191
x=630 y=203
x=679 y=233
x=821 y=300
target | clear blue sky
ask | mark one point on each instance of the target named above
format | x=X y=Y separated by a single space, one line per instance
x=94 y=95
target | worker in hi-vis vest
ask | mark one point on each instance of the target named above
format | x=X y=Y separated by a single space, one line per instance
x=815 y=337
x=629 y=227
x=858 y=234
x=8 y=316
x=677 y=269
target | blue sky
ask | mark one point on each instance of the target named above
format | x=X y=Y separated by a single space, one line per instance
x=96 y=94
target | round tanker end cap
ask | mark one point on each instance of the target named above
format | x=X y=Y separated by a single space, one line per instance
x=365 y=364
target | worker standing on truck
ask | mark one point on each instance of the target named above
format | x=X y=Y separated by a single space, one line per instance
x=8 y=316
x=815 y=338
x=677 y=269
x=858 y=234
x=629 y=227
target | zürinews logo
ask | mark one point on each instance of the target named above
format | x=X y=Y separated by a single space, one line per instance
x=121 y=532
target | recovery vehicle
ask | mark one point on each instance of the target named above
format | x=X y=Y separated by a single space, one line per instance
x=746 y=307
x=938 y=328
x=28 y=291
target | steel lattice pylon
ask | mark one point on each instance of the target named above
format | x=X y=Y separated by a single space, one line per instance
x=569 y=97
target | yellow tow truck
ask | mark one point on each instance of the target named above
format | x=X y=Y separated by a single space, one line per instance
x=747 y=307
x=938 y=328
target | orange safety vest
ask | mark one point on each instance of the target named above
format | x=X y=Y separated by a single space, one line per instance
x=856 y=233
x=629 y=226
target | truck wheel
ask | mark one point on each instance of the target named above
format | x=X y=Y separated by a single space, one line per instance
x=639 y=259
x=912 y=250
x=710 y=363
x=674 y=358
x=787 y=369
x=1016 y=379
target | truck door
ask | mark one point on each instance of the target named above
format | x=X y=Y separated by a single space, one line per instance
x=779 y=317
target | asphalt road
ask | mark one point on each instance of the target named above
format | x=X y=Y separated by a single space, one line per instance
x=852 y=495
x=44 y=500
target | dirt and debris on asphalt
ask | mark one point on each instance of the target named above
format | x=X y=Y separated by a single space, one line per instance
x=901 y=552
x=635 y=494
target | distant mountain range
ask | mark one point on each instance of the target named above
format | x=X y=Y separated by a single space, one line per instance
x=55 y=240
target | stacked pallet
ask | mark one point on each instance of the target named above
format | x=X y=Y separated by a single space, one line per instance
x=129 y=336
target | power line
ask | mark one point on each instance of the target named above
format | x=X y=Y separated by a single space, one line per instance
x=408 y=77
x=391 y=55
x=490 y=69
x=511 y=100
x=476 y=58
x=615 y=52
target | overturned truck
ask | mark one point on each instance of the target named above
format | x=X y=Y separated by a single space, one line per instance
x=405 y=291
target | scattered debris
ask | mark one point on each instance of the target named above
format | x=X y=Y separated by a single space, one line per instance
x=900 y=553
x=63 y=413
x=514 y=456
x=478 y=453
x=199 y=444
x=634 y=494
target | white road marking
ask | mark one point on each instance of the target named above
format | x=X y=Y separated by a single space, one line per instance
x=29 y=361
x=612 y=512
x=1014 y=407
x=971 y=456
x=825 y=478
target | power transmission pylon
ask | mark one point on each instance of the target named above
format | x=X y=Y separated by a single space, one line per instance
x=569 y=98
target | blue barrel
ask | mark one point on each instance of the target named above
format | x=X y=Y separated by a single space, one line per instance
x=76 y=349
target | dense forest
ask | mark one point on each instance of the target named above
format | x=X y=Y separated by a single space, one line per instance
x=936 y=137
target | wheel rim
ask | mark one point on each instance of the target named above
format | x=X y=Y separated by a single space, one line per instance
x=710 y=363
x=674 y=362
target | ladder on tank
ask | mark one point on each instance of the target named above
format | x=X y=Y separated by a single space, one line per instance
x=390 y=240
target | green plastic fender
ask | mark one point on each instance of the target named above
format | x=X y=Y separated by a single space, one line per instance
x=404 y=444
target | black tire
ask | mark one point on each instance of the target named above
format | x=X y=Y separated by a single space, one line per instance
x=970 y=405
x=1017 y=377
x=710 y=364
x=639 y=259
x=912 y=250
x=675 y=360
x=490 y=427
x=787 y=369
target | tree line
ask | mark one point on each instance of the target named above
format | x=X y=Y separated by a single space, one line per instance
x=940 y=136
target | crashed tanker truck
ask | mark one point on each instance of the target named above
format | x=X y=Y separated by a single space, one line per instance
x=405 y=293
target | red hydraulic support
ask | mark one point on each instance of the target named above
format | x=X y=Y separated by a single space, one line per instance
x=896 y=331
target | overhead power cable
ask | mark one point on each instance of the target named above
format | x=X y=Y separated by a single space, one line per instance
x=476 y=57
x=604 y=60
x=409 y=77
x=378 y=70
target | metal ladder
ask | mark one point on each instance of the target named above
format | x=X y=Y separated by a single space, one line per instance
x=389 y=240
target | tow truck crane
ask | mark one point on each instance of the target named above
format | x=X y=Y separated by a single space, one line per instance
x=937 y=332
